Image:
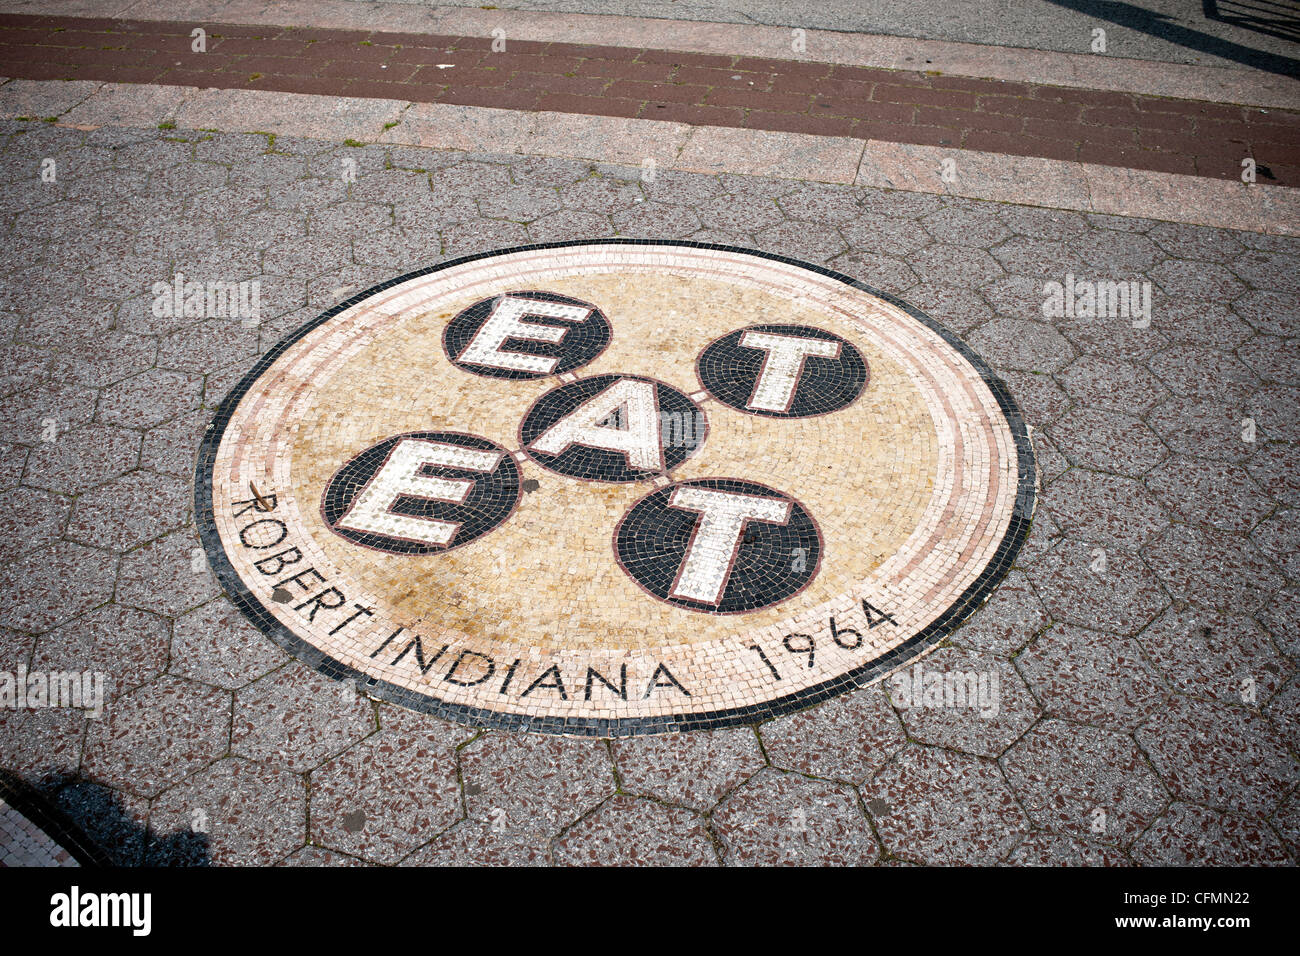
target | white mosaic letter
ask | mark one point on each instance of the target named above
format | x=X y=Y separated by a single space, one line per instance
x=507 y=322
x=371 y=512
x=637 y=435
x=779 y=377
x=712 y=551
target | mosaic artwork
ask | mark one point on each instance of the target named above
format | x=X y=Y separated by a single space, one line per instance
x=614 y=488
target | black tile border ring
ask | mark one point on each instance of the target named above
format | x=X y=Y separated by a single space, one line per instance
x=971 y=599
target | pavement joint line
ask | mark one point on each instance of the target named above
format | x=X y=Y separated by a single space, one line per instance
x=1077 y=70
x=798 y=156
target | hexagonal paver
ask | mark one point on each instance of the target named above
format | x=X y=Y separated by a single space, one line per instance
x=130 y=510
x=662 y=219
x=696 y=769
x=1208 y=493
x=1092 y=677
x=534 y=784
x=482 y=843
x=1282 y=618
x=520 y=203
x=1273 y=359
x=211 y=344
x=627 y=831
x=1213 y=568
x=148 y=399
x=729 y=215
x=115 y=821
x=43 y=746
x=963 y=700
x=245 y=813
x=45 y=588
x=1007 y=622
x=934 y=806
x=1084 y=781
x=168 y=576
x=1106 y=509
x=1279 y=538
x=1210 y=654
x=1108 y=441
x=1194 y=836
x=1203 y=428
x=848 y=738
x=1103 y=588
x=966 y=224
x=30 y=519
x=1116 y=386
x=949 y=264
x=158 y=734
x=297 y=718
x=784 y=819
x=808 y=241
x=127 y=646
x=82 y=459
x=215 y=644
x=1203 y=280
x=568 y=224
x=1219 y=756
x=1022 y=344
x=1052 y=849
x=384 y=797
x=1189 y=369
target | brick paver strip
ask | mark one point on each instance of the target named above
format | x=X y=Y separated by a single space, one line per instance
x=1107 y=128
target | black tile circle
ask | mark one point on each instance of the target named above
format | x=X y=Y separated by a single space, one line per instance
x=582 y=342
x=683 y=430
x=772 y=562
x=729 y=372
x=489 y=503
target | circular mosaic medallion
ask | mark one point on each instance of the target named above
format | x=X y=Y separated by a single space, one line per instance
x=613 y=488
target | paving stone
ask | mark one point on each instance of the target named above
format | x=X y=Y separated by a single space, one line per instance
x=115 y=821
x=878 y=272
x=114 y=356
x=534 y=785
x=1051 y=849
x=1276 y=271
x=941 y=808
x=520 y=203
x=1282 y=618
x=972 y=224
x=1185 y=241
x=1115 y=253
x=884 y=235
x=13 y=459
x=47 y=587
x=1205 y=372
x=1196 y=279
x=1198 y=322
x=1284 y=711
x=1007 y=622
x=483 y=843
x=1106 y=509
x=626 y=831
x=695 y=770
x=964 y=701
x=385 y=796
x=319 y=856
x=949 y=264
x=1112 y=338
x=1049 y=460
x=801 y=240
x=1277 y=537
x=148 y=399
x=664 y=220
x=600 y=195
x=1111 y=385
x=1273 y=313
x=1122 y=598
x=724 y=213
x=1287 y=823
x=296 y=718
x=22 y=366
x=1040 y=258
x=1108 y=441
x=30 y=519
x=481 y=236
x=961 y=310
x=819 y=203
x=1210 y=654
x=849 y=738
x=127 y=646
x=1212 y=568
x=1092 y=677
x=157 y=735
x=168 y=576
x=1084 y=781
x=1207 y=493
x=1051 y=224
x=1219 y=756
x=1272 y=358
x=44 y=747
x=44 y=413
x=172 y=448
x=245 y=814
x=1022 y=344
x=901 y=204
x=1202 y=427
x=1193 y=836
x=567 y=224
x=129 y=511
x=215 y=644
x=784 y=819
x=212 y=344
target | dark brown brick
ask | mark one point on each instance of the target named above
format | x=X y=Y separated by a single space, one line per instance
x=906 y=133
x=425 y=56
x=296 y=84
x=1024 y=107
x=1061 y=94
x=700 y=115
x=724 y=79
x=684 y=59
x=868 y=110
x=800 y=123
x=558 y=83
x=952 y=99
x=377 y=90
x=626 y=70
x=1150 y=159
x=1016 y=144
x=751 y=100
x=803 y=68
x=830 y=88
x=529 y=63
x=591 y=51
x=231 y=46
x=868 y=74
x=588 y=105
x=279 y=65
x=469 y=76
x=498 y=98
x=375 y=72
x=966 y=119
x=659 y=92
x=986 y=87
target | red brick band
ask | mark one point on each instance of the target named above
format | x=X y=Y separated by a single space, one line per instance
x=1108 y=128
